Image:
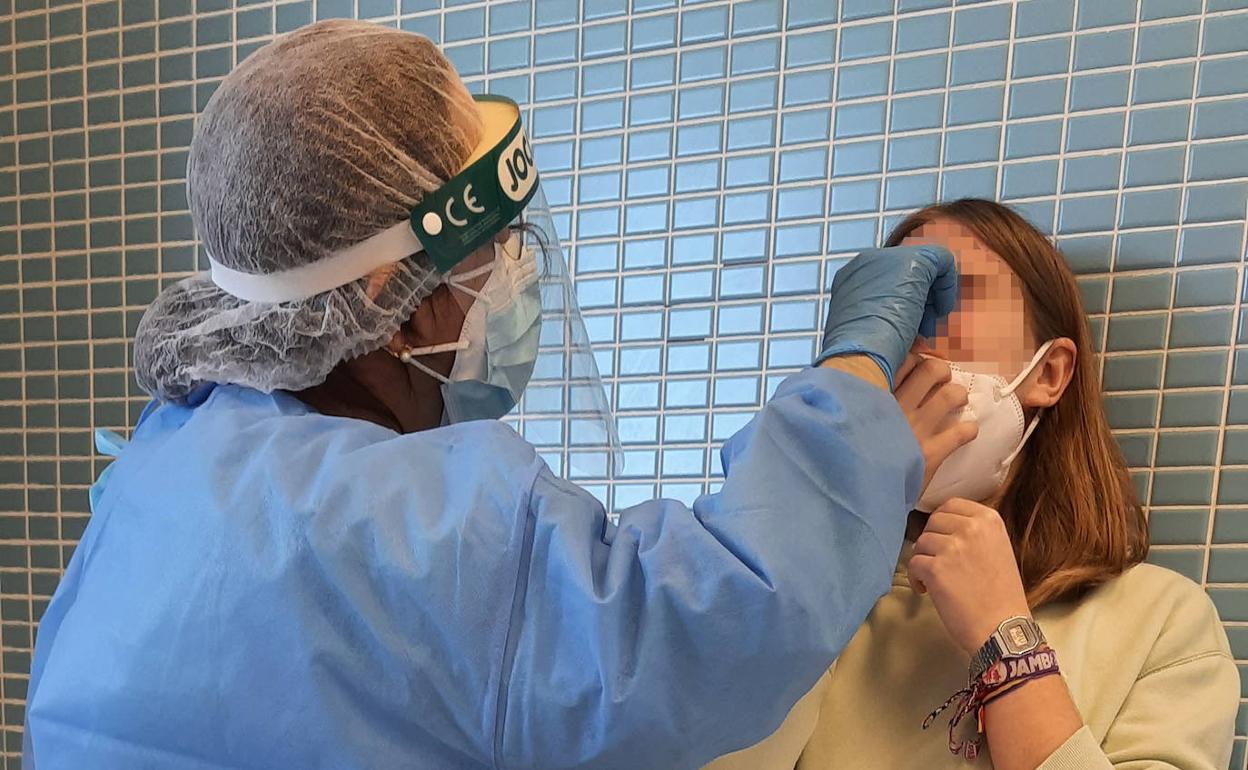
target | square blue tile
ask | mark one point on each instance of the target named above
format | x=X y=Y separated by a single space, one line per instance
x=863 y=9
x=1200 y=328
x=1168 y=41
x=1235 y=447
x=1196 y=369
x=1090 y=214
x=1232 y=490
x=1137 y=448
x=653 y=32
x=910 y=192
x=1208 y=245
x=1029 y=180
x=1185 y=487
x=1094 y=50
x=862 y=80
x=764 y=56
x=1033 y=139
x=1137 y=332
x=1095 y=132
x=860 y=42
x=921 y=33
x=914 y=152
x=1043 y=17
x=1091 y=172
x=1142 y=292
x=1033 y=58
x=1189 y=562
x=1036 y=98
x=1222 y=77
x=756 y=17
x=857 y=158
x=1166 y=83
x=1203 y=288
x=704 y=24
x=809 y=48
x=1150 y=208
x=1231 y=603
x=1178 y=527
x=1155 y=167
x=855 y=197
x=1228 y=35
x=1220 y=118
x=802 y=88
x=1106 y=13
x=809 y=14
x=978 y=65
x=1099 y=90
x=1227 y=565
x=969 y=184
x=1182 y=409
x=972 y=145
x=1187 y=448
x=1136 y=372
x=1160 y=124
x=1165 y=9
x=603 y=39
x=981 y=25
x=1216 y=203
x=917 y=112
x=919 y=73
x=975 y=105
x=859 y=120
x=1219 y=160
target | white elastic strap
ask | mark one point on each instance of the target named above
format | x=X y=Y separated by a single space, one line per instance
x=1035 y=421
x=391 y=245
x=445 y=347
x=428 y=371
x=1026 y=372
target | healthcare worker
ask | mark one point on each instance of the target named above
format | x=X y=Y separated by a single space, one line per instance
x=322 y=549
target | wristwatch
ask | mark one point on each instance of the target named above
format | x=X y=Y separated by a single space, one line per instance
x=1015 y=636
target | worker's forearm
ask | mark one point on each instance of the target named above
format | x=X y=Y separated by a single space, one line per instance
x=861 y=366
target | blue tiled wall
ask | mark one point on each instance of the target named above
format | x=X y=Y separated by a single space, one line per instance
x=712 y=163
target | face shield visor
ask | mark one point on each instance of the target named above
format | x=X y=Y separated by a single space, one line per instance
x=490 y=233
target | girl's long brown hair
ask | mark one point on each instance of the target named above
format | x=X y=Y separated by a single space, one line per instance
x=1069 y=506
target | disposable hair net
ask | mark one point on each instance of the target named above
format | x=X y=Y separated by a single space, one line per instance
x=318 y=141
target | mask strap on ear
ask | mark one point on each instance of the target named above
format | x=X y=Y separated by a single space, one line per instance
x=1027 y=370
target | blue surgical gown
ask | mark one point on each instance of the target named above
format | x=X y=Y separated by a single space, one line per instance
x=263 y=586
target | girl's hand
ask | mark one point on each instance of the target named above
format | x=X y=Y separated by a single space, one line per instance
x=933 y=404
x=964 y=560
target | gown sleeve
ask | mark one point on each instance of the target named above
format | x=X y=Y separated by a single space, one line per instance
x=685 y=633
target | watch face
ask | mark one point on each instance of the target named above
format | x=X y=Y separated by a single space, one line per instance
x=1018 y=636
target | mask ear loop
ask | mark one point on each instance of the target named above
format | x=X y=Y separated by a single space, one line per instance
x=1035 y=421
x=1026 y=372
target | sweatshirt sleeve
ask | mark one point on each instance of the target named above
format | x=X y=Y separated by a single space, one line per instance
x=1180 y=712
x=686 y=633
x=1178 y=718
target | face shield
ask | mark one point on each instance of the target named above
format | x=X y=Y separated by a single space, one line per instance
x=489 y=232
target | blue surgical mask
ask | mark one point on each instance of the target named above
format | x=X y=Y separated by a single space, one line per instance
x=497 y=348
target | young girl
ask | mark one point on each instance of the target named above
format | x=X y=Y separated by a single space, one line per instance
x=1025 y=574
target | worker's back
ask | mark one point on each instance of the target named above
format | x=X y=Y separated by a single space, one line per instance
x=250 y=594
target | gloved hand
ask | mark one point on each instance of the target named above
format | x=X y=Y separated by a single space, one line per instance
x=884 y=298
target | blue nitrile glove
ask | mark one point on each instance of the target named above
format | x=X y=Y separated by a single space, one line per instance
x=884 y=298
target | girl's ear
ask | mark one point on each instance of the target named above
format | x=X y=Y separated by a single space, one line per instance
x=1048 y=381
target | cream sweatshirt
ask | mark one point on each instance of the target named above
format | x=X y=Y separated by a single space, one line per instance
x=1145 y=658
